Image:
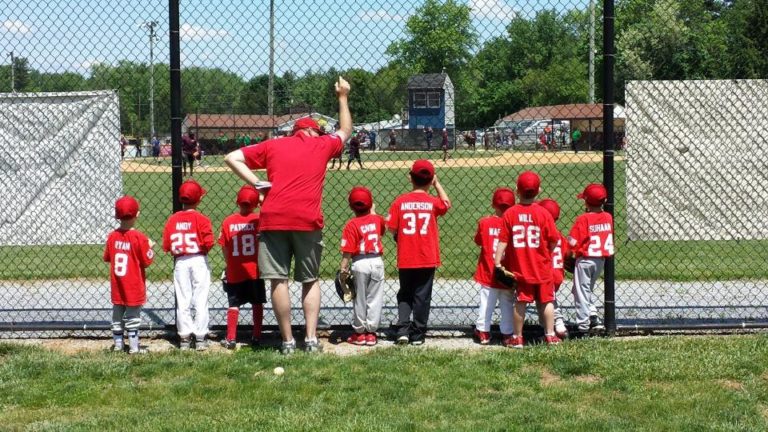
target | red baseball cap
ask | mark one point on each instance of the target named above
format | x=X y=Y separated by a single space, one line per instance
x=503 y=198
x=248 y=195
x=306 y=123
x=552 y=207
x=190 y=192
x=423 y=169
x=528 y=183
x=594 y=194
x=126 y=207
x=360 y=198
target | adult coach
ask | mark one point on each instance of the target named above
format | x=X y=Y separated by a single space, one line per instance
x=189 y=150
x=291 y=215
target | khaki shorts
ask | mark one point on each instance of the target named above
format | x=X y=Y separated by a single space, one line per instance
x=278 y=248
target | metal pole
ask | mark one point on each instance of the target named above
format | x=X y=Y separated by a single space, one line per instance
x=175 y=63
x=152 y=37
x=13 y=73
x=608 y=152
x=271 y=90
x=591 y=51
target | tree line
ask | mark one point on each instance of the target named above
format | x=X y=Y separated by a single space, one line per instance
x=539 y=60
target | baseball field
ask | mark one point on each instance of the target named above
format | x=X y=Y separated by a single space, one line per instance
x=469 y=178
x=675 y=384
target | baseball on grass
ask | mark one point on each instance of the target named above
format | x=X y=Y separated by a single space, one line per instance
x=278 y=371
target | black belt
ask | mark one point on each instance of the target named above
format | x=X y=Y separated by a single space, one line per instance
x=364 y=256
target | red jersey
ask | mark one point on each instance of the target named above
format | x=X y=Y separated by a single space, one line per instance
x=413 y=217
x=529 y=230
x=128 y=254
x=487 y=237
x=362 y=235
x=296 y=167
x=592 y=235
x=240 y=240
x=187 y=232
x=558 y=270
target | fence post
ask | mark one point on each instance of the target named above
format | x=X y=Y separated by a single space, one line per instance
x=608 y=152
x=173 y=15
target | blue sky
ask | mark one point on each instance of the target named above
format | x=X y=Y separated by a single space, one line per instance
x=71 y=35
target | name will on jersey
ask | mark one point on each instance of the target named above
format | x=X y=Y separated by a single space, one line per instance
x=525 y=217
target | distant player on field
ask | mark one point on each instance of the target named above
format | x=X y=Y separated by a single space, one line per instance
x=239 y=239
x=128 y=252
x=188 y=236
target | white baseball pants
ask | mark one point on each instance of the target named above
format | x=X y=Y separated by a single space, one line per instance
x=369 y=297
x=585 y=274
x=487 y=303
x=192 y=281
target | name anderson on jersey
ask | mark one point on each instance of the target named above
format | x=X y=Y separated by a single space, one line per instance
x=599 y=228
x=416 y=206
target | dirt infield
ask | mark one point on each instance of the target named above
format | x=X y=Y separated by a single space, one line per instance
x=503 y=159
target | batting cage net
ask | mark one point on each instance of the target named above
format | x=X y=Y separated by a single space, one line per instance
x=675 y=125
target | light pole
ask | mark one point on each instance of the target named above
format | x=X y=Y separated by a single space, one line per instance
x=150 y=25
x=271 y=84
x=13 y=70
x=591 y=51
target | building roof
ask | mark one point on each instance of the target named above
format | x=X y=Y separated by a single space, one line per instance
x=564 y=112
x=427 y=81
x=239 y=121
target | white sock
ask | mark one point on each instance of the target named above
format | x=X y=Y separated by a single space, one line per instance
x=118 y=338
x=133 y=340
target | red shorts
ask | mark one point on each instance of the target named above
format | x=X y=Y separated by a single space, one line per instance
x=541 y=293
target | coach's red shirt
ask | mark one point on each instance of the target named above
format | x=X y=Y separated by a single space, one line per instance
x=487 y=237
x=239 y=238
x=413 y=217
x=528 y=231
x=187 y=232
x=558 y=254
x=128 y=254
x=592 y=235
x=362 y=235
x=296 y=167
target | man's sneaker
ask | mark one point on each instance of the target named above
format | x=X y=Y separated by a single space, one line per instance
x=483 y=338
x=402 y=340
x=552 y=340
x=370 y=339
x=287 y=348
x=356 y=339
x=596 y=324
x=229 y=344
x=560 y=330
x=201 y=345
x=511 y=341
x=313 y=346
x=185 y=344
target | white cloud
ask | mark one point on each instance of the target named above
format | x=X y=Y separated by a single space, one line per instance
x=492 y=9
x=19 y=27
x=194 y=32
x=380 y=15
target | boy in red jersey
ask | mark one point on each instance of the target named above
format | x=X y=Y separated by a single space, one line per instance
x=412 y=220
x=558 y=270
x=487 y=237
x=128 y=252
x=591 y=240
x=361 y=244
x=526 y=241
x=188 y=236
x=239 y=239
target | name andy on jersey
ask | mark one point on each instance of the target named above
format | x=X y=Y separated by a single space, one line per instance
x=600 y=228
x=416 y=206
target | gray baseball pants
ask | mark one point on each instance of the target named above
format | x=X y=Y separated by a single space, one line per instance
x=369 y=298
x=585 y=274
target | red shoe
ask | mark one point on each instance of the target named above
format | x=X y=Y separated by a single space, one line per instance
x=356 y=339
x=511 y=341
x=370 y=339
x=484 y=338
x=552 y=340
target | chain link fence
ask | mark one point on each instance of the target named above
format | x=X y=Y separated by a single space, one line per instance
x=485 y=89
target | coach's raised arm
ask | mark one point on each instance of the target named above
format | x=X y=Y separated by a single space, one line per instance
x=291 y=219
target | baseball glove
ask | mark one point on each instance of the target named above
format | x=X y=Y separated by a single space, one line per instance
x=569 y=263
x=504 y=277
x=345 y=285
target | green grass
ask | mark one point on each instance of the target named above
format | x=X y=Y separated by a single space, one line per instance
x=470 y=190
x=661 y=384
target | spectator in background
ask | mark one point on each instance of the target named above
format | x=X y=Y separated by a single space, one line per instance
x=392 y=140
x=123 y=145
x=428 y=134
x=246 y=139
x=575 y=138
x=222 y=140
x=444 y=144
x=543 y=141
x=156 y=148
x=258 y=138
x=190 y=150
x=372 y=139
x=137 y=146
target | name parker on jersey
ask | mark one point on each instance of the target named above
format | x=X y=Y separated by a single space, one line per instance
x=600 y=228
